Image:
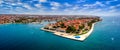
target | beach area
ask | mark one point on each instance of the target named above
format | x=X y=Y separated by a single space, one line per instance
x=66 y=35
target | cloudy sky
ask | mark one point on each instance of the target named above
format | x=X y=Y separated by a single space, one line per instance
x=61 y=7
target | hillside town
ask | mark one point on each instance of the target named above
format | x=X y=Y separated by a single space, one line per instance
x=24 y=18
x=16 y=18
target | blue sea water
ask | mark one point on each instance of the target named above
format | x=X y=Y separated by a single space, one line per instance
x=106 y=36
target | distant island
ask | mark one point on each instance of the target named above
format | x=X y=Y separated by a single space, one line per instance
x=77 y=27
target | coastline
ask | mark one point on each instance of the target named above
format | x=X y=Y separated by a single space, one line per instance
x=82 y=37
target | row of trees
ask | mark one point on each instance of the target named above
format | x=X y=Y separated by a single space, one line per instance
x=72 y=29
x=93 y=21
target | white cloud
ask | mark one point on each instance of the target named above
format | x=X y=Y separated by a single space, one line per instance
x=67 y=4
x=1 y=1
x=65 y=10
x=97 y=3
x=113 y=10
x=96 y=11
x=19 y=9
x=38 y=5
x=27 y=6
x=13 y=4
x=42 y=0
x=19 y=2
x=76 y=7
x=54 y=8
x=118 y=5
x=108 y=2
x=115 y=7
x=11 y=1
x=55 y=4
x=112 y=7
x=88 y=5
x=79 y=1
x=70 y=9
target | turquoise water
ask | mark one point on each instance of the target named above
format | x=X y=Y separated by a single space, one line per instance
x=106 y=36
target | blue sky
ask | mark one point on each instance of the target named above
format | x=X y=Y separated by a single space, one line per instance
x=61 y=7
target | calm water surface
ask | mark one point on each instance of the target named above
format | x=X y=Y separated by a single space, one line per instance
x=106 y=36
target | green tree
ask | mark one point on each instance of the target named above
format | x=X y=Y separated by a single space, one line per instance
x=62 y=25
x=90 y=24
x=81 y=27
x=70 y=29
